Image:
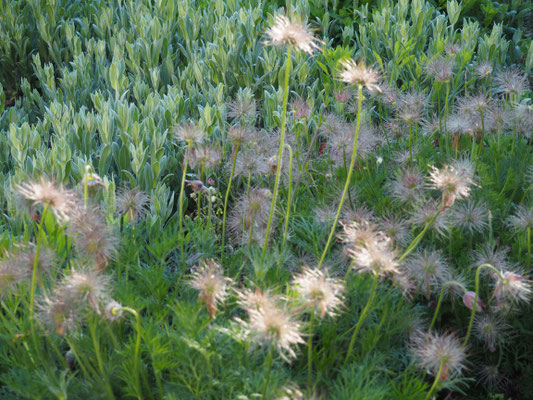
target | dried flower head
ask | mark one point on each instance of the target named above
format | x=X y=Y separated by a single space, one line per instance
x=470 y=217
x=61 y=201
x=319 y=290
x=429 y=269
x=360 y=75
x=190 y=133
x=514 y=287
x=243 y=108
x=209 y=279
x=59 y=314
x=249 y=218
x=287 y=33
x=453 y=182
x=440 y=68
x=113 y=311
x=87 y=287
x=511 y=81
x=271 y=324
x=92 y=237
x=133 y=203
x=411 y=107
x=407 y=186
x=491 y=330
x=436 y=353
x=522 y=220
x=484 y=69
x=424 y=213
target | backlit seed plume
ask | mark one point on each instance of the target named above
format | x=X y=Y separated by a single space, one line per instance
x=287 y=33
x=360 y=75
x=433 y=350
x=319 y=291
x=113 y=311
x=483 y=69
x=359 y=234
x=429 y=269
x=87 y=287
x=274 y=325
x=396 y=228
x=511 y=81
x=92 y=237
x=133 y=203
x=454 y=183
x=440 y=68
x=59 y=314
x=522 y=219
x=376 y=257
x=470 y=217
x=190 y=133
x=513 y=287
x=62 y=202
x=209 y=279
x=488 y=253
x=256 y=299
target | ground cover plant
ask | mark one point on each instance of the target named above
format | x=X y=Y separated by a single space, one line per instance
x=223 y=199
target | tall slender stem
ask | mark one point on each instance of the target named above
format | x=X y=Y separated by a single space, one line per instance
x=137 y=347
x=419 y=237
x=528 y=248
x=288 y=211
x=310 y=352
x=226 y=198
x=180 y=200
x=269 y=370
x=348 y=178
x=280 y=151
x=361 y=319
x=439 y=302
x=446 y=113
x=437 y=378
x=474 y=305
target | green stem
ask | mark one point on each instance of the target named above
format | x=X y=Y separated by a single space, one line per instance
x=34 y=276
x=96 y=344
x=528 y=248
x=180 y=200
x=348 y=178
x=280 y=151
x=473 y=311
x=437 y=378
x=226 y=198
x=446 y=114
x=361 y=318
x=269 y=370
x=417 y=239
x=310 y=352
x=450 y=283
x=287 y=213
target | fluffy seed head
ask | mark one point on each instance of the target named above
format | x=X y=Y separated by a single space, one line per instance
x=250 y=216
x=274 y=326
x=319 y=290
x=453 y=182
x=377 y=257
x=491 y=330
x=59 y=314
x=243 y=109
x=395 y=228
x=10 y=277
x=190 y=133
x=300 y=109
x=287 y=33
x=470 y=217
x=132 y=203
x=513 y=287
x=522 y=220
x=490 y=254
x=87 y=287
x=424 y=212
x=429 y=269
x=511 y=81
x=440 y=68
x=411 y=107
x=92 y=237
x=360 y=75
x=209 y=279
x=433 y=350
x=62 y=202
x=484 y=69
x=407 y=186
